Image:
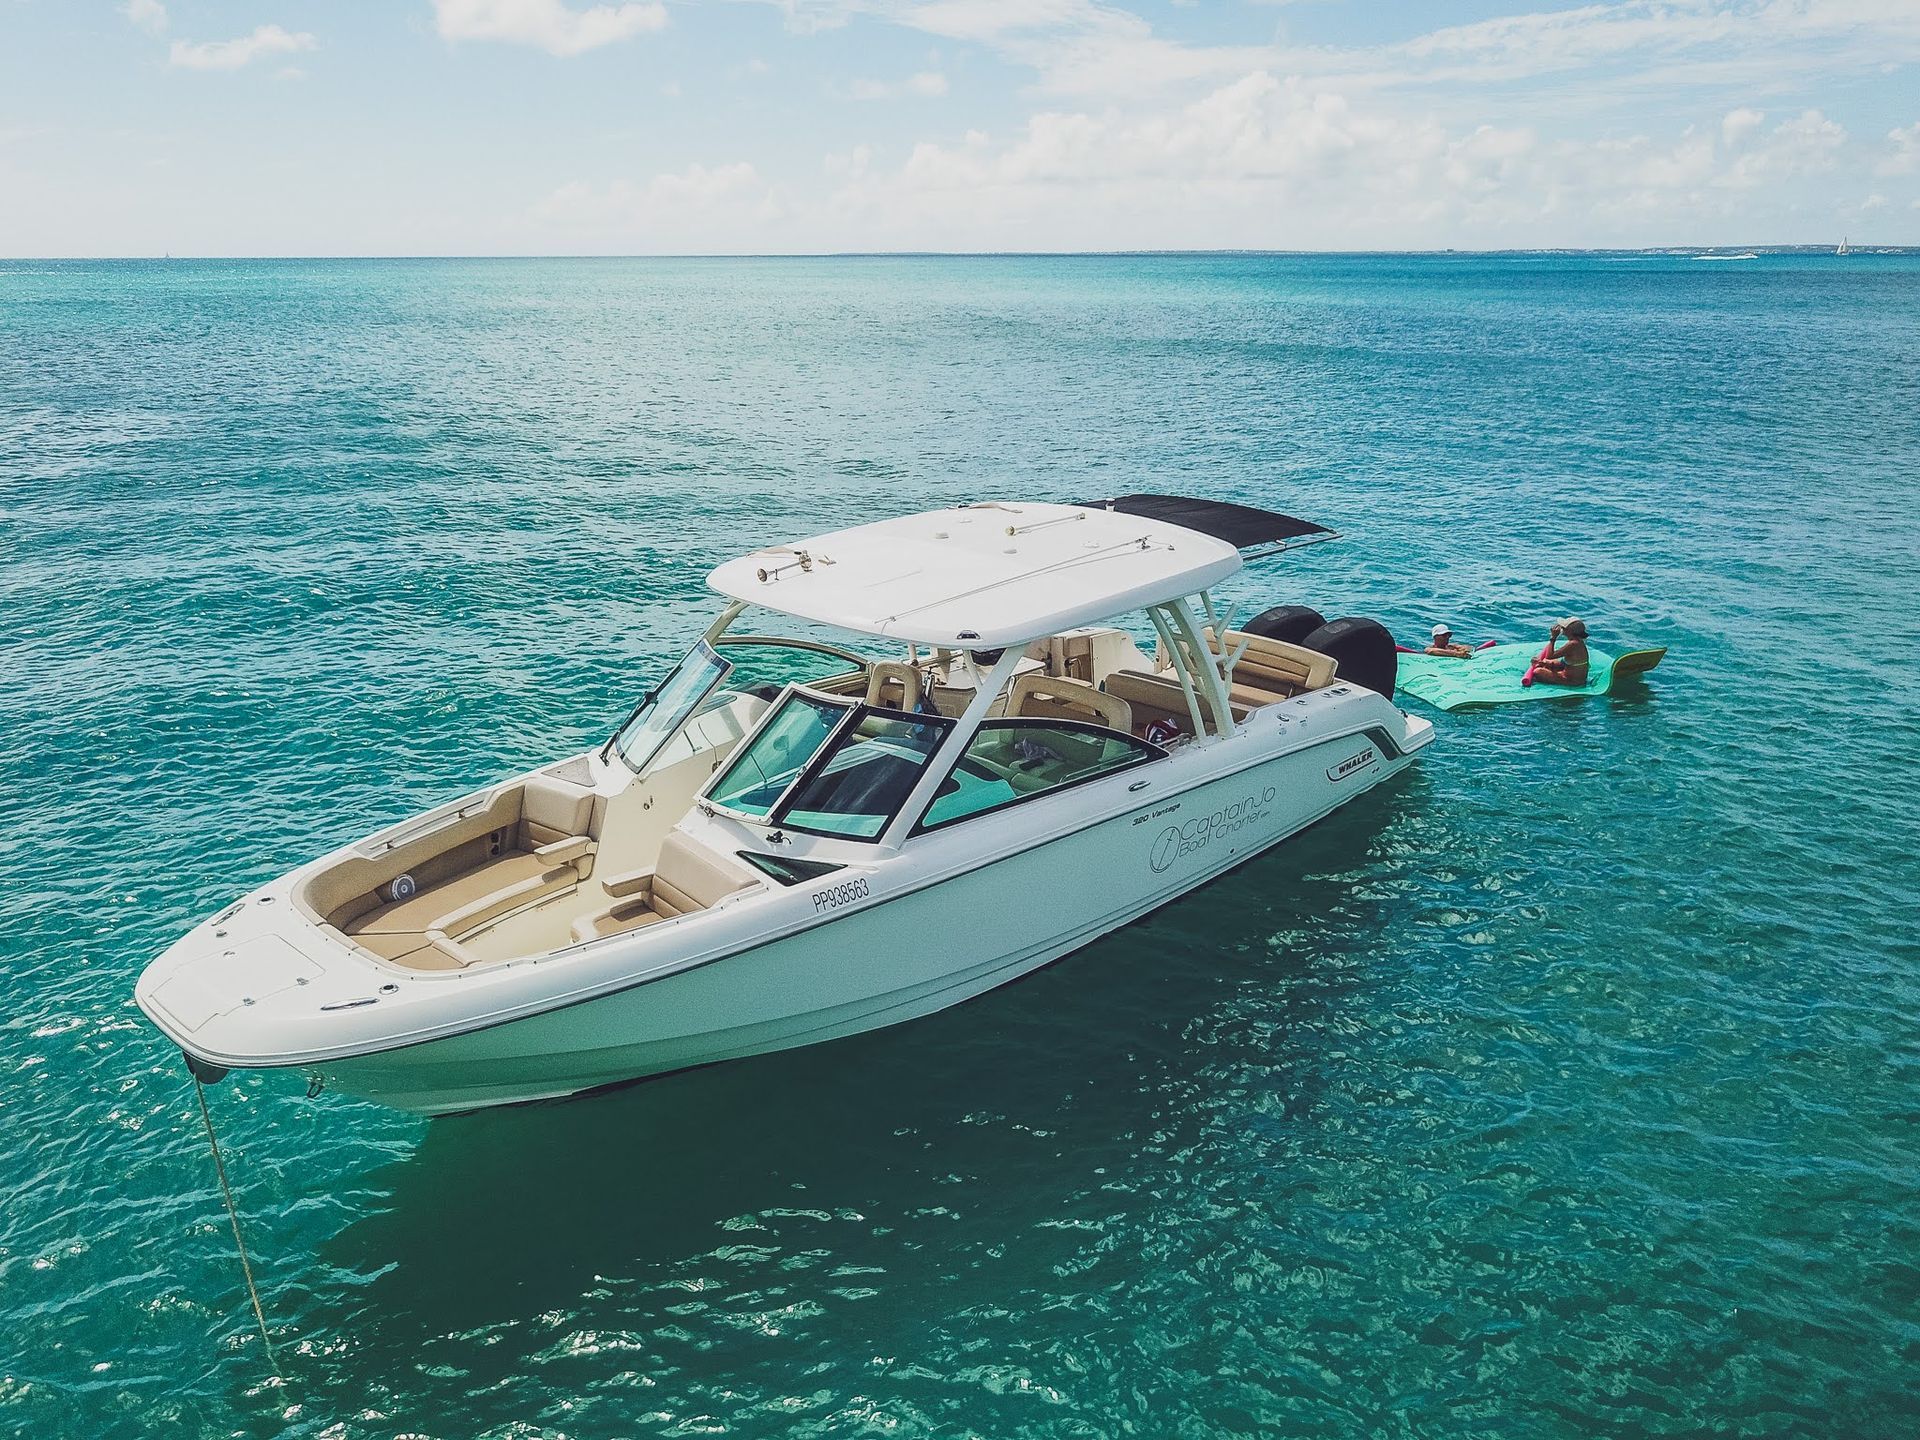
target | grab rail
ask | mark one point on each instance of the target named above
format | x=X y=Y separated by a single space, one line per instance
x=407 y=831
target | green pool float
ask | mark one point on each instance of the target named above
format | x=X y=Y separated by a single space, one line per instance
x=1492 y=676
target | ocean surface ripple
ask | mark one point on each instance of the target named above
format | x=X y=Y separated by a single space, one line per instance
x=1565 y=1087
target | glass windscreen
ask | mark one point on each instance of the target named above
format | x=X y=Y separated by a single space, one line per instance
x=668 y=705
x=1008 y=761
x=867 y=777
x=765 y=766
x=760 y=660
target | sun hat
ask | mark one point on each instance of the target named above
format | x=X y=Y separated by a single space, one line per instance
x=1573 y=625
x=1440 y=630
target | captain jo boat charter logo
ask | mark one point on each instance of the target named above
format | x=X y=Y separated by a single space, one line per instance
x=1201 y=831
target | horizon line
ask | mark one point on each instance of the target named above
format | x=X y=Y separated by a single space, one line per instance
x=1825 y=247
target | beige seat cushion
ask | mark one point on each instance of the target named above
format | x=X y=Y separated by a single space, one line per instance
x=415 y=931
x=892 y=685
x=687 y=877
x=1156 y=697
x=615 y=920
x=349 y=886
x=409 y=947
x=1038 y=696
x=551 y=809
x=420 y=910
x=1270 y=670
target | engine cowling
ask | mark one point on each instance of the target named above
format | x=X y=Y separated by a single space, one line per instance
x=1364 y=649
x=1289 y=623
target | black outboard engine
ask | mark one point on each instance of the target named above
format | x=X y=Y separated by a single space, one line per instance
x=1363 y=648
x=1288 y=623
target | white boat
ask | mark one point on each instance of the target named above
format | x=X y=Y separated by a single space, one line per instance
x=1843 y=248
x=744 y=868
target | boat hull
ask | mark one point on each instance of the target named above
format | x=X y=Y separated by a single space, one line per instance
x=906 y=955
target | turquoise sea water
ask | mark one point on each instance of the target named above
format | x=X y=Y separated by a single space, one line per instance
x=1568 y=1086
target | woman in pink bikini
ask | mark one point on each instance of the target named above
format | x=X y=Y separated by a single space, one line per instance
x=1564 y=661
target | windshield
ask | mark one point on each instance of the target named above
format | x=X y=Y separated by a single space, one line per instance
x=867 y=777
x=761 y=771
x=666 y=708
x=779 y=662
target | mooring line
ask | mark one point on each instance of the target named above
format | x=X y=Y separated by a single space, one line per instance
x=233 y=1214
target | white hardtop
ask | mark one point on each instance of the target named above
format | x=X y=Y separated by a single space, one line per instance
x=980 y=576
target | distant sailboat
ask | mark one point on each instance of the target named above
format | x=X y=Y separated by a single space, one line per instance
x=1843 y=248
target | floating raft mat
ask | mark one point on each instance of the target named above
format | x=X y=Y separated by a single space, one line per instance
x=1492 y=676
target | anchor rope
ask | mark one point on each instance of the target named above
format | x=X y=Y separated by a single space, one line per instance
x=233 y=1214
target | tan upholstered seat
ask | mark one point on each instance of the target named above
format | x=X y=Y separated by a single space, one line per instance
x=552 y=809
x=1270 y=670
x=529 y=844
x=687 y=877
x=892 y=685
x=615 y=920
x=1157 y=697
x=1037 y=696
x=401 y=929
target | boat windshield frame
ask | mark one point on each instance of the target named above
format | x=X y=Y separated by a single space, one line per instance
x=819 y=700
x=834 y=742
x=686 y=703
x=843 y=736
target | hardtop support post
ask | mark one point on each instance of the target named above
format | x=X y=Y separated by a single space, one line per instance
x=1206 y=662
x=987 y=689
x=1175 y=656
x=721 y=621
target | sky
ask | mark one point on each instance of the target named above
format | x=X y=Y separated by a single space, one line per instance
x=484 y=127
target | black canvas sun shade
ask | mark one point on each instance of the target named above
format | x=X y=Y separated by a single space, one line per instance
x=1241 y=526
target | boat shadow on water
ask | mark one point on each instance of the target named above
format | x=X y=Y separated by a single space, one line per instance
x=507 y=1214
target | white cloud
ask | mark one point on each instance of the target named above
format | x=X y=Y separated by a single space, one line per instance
x=1252 y=158
x=149 y=15
x=855 y=162
x=1688 y=162
x=1258 y=133
x=1272 y=161
x=809 y=17
x=1672 y=38
x=1805 y=145
x=1739 y=124
x=1086 y=48
x=232 y=54
x=925 y=85
x=989 y=20
x=547 y=25
x=1903 y=157
x=676 y=208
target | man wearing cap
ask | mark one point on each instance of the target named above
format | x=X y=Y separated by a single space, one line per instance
x=1444 y=647
x=1564 y=661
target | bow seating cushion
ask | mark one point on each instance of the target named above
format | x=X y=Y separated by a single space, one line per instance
x=687 y=877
